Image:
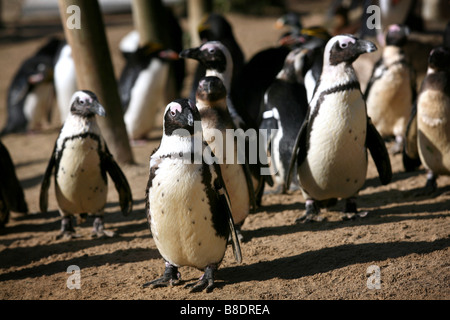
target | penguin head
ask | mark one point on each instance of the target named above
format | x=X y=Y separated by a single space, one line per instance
x=439 y=59
x=290 y=19
x=297 y=63
x=180 y=114
x=211 y=89
x=345 y=49
x=85 y=103
x=397 y=35
x=212 y=54
x=214 y=27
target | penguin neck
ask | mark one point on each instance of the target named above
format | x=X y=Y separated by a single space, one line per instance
x=209 y=105
x=337 y=75
x=76 y=124
x=392 y=54
x=224 y=76
x=179 y=145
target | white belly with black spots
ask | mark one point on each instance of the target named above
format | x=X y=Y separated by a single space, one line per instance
x=181 y=221
x=336 y=163
x=80 y=187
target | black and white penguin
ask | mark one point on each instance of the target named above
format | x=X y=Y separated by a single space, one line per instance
x=391 y=90
x=65 y=80
x=285 y=107
x=433 y=117
x=143 y=87
x=215 y=27
x=81 y=161
x=31 y=93
x=187 y=204
x=332 y=143
x=218 y=62
x=12 y=197
x=291 y=20
x=217 y=123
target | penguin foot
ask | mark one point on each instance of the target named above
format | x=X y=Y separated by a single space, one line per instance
x=206 y=282
x=311 y=213
x=430 y=187
x=98 y=229
x=67 y=229
x=171 y=277
x=351 y=211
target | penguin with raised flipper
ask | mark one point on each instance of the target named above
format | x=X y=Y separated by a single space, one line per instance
x=187 y=204
x=330 y=151
x=81 y=161
x=12 y=197
x=391 y=90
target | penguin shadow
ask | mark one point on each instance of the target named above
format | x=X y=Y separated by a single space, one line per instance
x=325 y=260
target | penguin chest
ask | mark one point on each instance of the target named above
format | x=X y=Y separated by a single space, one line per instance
x=148 y=95
x=80 y=185
x=336 y=161
x=390 y=101
x=38 y=104
x=433 y=114
x=181 y=217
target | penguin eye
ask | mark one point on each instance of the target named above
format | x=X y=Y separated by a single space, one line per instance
x=212 y=50
x=81 y=101
x=344 y=45
x=172 y=113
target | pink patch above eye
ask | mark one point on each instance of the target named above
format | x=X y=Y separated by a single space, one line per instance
x=344 y=42
x=173 y=107
x=394 y=28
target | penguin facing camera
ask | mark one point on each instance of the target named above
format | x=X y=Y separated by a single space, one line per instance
x=187 y=204
x=80 y=162
x=331 y=147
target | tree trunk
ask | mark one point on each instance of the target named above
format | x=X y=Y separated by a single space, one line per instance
x=94 y=69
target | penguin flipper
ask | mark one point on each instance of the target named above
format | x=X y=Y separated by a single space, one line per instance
x=224 y=199
x=298 y=151
x=378 y=150
x=43 y=195
x=12 y=190
x=120 y=182
x=410 y=152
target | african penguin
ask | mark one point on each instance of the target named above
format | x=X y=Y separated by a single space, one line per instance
x=215 y=27
x=142 y=87
x=433 y=117
x=65 y=80
x=333 y=140
x=31 y=93
x=217 y=60
x=81 y=161
x=217 y=123
x=391 y=90
x=187 y=205
x=285 y=106
x=12 y=197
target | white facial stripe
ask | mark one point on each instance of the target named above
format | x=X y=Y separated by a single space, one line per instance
x=343 y=42
x=174 y=106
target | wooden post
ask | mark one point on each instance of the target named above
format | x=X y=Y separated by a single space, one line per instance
x=149 y=21
x=196 y=10
x=94 y=69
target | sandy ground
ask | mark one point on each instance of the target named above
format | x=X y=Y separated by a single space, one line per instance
x=406 y=237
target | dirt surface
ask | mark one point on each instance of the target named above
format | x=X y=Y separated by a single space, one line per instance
x=405 y=236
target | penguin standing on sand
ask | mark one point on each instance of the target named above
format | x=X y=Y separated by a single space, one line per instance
x=143 y=87
x=81 y=160
x=12 y=197
x=187 y=204
x=31 y=92
x=285 y=107
x=216 y=120
x=433 y=118
x=331 y=147
x=391 y=90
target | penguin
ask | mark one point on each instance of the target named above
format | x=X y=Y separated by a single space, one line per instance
x=81 y=161
x=65 y=80
x=142 y=87
x=330 y=151
x=286 y=105
x=433 y=117
x=187 y=204
x=292 y=20
x=31 y=93
x=218 y=62
x=216 y=123
x=215 y=27
x=12 y=197
x=391 y=90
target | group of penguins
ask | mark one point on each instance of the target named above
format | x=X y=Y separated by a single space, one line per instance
x=306 y=88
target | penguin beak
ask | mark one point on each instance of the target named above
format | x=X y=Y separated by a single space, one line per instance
x=97 y=108
x=169 y=55
x=192 y=53
x=365 y=46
